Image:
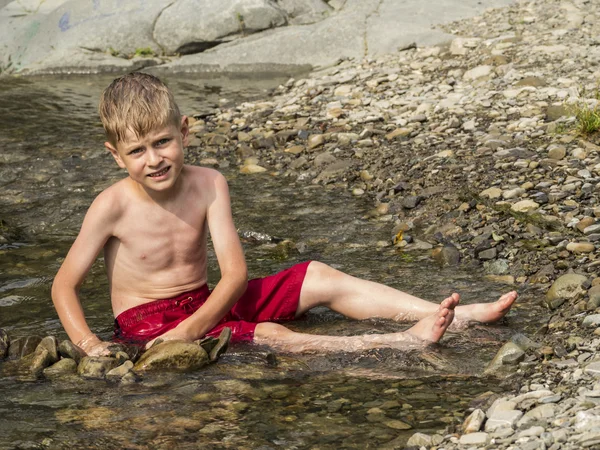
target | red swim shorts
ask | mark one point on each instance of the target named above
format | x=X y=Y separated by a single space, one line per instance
x=269 y=299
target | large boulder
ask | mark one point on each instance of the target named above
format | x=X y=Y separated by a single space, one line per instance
x=190 y=26
x=173 y=355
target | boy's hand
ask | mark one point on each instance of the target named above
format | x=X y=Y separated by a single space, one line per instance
x=93 y=346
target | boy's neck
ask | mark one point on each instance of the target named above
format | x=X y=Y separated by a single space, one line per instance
x=162 y=198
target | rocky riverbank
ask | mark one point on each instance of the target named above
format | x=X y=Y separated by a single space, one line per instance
x=470 y=151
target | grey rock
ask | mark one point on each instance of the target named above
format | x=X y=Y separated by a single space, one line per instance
x=95 y=367
x=589 y=439
x=488 y=254
x=497 y=267
x=448 y=255
x=411 y=201
x=419 y=440
x=592 y=320
x=187 y=27
x=67 y=349
x=172 y=355
x=509 y=351
x=567 y=286
x=555 y=112
x=502 y=419
x=593 y=369
x=544 y=411
x=60 y=369
x=480 y=438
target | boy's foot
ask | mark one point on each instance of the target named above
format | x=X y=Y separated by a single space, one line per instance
x=486 y=312
x=432 y=328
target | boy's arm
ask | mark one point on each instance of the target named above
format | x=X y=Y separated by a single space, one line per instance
x=95 y=231
x=234 y=274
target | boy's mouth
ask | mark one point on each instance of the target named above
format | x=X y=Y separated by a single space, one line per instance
x=160 y=173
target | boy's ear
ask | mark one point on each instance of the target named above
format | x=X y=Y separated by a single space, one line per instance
x=113 y=151
x=185 y=131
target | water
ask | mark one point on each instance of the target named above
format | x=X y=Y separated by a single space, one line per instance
x=52 y=164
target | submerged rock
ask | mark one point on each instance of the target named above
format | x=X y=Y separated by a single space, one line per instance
x=448 y=255
x=508 y=355
x=60 y=369
x=24 y=346
x=173 y=355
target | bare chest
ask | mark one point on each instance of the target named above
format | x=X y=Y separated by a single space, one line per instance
x=155 y=238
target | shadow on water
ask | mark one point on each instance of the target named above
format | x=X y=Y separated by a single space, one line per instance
x=52 y=164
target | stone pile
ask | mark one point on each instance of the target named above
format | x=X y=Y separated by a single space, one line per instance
x=470 y=150
x=33 y=357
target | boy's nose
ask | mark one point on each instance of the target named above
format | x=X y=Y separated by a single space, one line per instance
x=154 y=158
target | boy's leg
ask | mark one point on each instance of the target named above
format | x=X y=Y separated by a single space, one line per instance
x=361 y=299
x=428 y=330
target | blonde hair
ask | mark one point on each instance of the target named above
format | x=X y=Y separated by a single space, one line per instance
x=138 y=102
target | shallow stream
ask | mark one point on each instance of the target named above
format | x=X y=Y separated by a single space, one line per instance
x=52 y=164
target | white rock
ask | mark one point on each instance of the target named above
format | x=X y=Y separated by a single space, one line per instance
x=478 y=72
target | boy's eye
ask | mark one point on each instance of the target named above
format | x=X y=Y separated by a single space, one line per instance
x=163 y=141
x=135 y=150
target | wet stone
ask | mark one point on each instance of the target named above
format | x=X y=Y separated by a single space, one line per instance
x=419 y=440
x=95 y=367
x=119 y=372
x=21 y=347
x=50 y=344
x=62 y=368
x=4 y=344
x=173 y=355
x=67 y=349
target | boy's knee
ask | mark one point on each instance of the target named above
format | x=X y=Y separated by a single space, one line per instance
x=322 y=269
x=270 y=330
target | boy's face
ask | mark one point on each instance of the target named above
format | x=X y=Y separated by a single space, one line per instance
x=154 y=160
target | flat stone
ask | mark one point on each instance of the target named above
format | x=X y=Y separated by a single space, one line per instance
x=448 y=255
x=475 y=439
x=478 y=72
x=525 y=206
x=580 y=247
x=593 y=369
x=398 y=132
x=252 y=168
x=491 y=193
x=502 y=419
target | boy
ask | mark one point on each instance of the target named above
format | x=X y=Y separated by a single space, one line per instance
x=153 y=228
